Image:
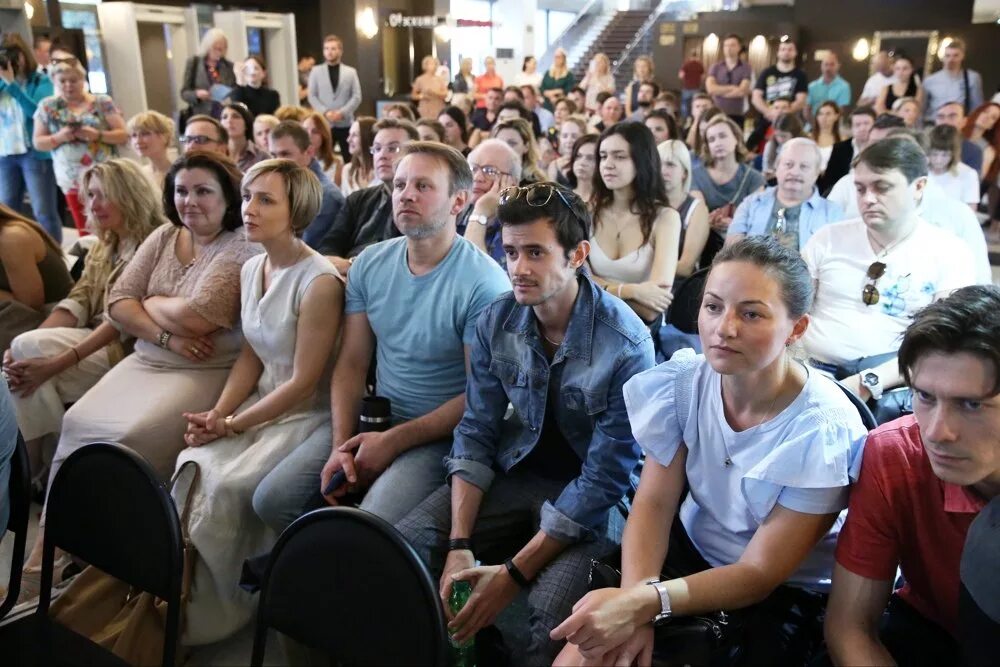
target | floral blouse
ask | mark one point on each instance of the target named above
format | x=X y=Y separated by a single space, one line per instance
x=70 y=159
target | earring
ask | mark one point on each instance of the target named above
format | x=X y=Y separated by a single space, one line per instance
x=788 y=343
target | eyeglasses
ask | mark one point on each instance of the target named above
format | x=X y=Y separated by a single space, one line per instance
x=488 y=171
x=538 y=195
x=870 y=293
x=391 y=149
x=197 y=140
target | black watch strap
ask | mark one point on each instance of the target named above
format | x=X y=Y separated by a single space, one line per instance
x=516 y=574
x=460 y=544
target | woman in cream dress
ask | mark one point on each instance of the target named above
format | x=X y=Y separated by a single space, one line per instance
x=276 y=396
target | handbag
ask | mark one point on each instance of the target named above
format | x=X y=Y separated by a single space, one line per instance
x=728 y=209
x=111 y=613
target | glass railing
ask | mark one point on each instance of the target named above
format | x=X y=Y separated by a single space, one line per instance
x=592 y=7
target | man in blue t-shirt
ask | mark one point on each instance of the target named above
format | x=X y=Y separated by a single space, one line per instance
x=413 y=301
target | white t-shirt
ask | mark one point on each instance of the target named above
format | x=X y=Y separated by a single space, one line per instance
x=875 y=84
x=800 y=459
x=963 y=184
x=930 y=262
x=938 y=208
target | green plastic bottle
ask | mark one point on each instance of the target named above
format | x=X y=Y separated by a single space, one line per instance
x=461 y=655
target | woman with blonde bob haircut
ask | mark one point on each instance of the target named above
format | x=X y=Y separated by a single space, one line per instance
x=675 y=167
x=277 y=394
x=517 y=133
x=152 y=136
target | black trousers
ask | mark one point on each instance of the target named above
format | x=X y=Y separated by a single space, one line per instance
x=340 y=136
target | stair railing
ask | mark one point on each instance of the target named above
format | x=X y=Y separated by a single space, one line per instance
x=638 y=37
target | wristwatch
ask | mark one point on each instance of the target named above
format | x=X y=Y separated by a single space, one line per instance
x=480 y=218
x=872 y=382
x=665 y=611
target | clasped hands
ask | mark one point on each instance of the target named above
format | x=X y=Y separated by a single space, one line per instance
x=362 y=458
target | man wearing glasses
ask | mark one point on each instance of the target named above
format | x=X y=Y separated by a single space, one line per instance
x=557 y=350
x=366 y=218
x=874 y=273
x=495 y=167
x=204 y=133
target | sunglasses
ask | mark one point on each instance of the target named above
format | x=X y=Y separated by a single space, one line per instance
x=538 y=195
x=870 y=294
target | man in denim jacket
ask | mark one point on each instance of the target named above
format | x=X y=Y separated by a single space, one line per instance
x=544 y=446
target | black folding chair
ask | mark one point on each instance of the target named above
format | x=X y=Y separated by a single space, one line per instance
x=108 y=508
x=867 y=418
x=683 y=311
x=344 y=582
x=20 y=510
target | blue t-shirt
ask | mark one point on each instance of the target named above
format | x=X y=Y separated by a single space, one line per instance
x=422 y=323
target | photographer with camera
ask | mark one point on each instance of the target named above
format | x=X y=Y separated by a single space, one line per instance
x=79 y=127
x=22 y=87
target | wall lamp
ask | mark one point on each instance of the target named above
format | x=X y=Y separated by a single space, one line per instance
x=366 y=23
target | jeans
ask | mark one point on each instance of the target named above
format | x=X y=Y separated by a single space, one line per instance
x=508 y=517
x=687 y=96
x=409 y=479
x=18 y=172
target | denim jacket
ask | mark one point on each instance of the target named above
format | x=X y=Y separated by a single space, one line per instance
x=753 y=214
x=36 y=88
x=605 y=345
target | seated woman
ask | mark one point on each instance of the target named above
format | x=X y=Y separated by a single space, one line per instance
x=675 y=167
x=359 y=173
x=786 y=126
x=765 y=445
x=179 y=297
x=276 y=397
x=75 y=346
x=517 y=133
x=582 y=160
x=945 y=166
x=430 y=130
x=322 y=142
x=151 y=135
x=32 y=273
x=238 y=121
x=826 y=130
x=723 y=179
x=570 y=130
x=262 y=126
x=636 y=236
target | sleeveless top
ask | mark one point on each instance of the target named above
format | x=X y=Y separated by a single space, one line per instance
x=685 y=210
x=890 y=96
x=270 y=321
x=55 y=276
x=632 y=268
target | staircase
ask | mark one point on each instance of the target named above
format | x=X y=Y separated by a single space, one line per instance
x=612 y=41
x=590 y=22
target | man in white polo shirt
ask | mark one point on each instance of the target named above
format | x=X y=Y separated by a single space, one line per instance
x=872 y=274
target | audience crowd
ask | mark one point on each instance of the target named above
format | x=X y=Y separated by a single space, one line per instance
x=504 y=263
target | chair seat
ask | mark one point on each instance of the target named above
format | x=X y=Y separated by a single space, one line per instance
x=26 y=645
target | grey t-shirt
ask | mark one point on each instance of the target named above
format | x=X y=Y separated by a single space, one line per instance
x=784 y=224
x=717 y=196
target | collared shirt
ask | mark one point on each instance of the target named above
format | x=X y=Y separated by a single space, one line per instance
x=753 y=216
x=902 y=515
x=820 y=91
x=605 y=344
x=724 y=76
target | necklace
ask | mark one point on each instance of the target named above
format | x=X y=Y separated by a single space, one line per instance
x=728 y=462
x=551 y=342
x=884 y=249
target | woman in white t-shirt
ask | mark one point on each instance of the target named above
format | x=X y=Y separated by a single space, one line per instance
x=765 y=445
x=945 y=168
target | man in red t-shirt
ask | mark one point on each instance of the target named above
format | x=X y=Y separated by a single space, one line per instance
x=690 y=74
x=924 y=478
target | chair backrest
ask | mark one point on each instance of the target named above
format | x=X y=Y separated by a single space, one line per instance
x=20 y=510
x=345 y=582
x=107 y=507
x=683 y=311
x=867 y=418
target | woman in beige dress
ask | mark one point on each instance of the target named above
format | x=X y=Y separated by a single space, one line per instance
x=179 y=297
x=276 y=397
x=429 y=90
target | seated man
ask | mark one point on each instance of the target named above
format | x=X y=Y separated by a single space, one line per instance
x=484 y=118
x=495 y=167
x=793 y=210
x=290 y=141
x=415 y=300
x=872 y=274
x=923 y=480
x=558 y=349
x=367 y=215
x=204 y=133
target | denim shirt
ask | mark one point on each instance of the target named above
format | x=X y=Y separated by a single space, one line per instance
x=605 y=344
x=753 y=214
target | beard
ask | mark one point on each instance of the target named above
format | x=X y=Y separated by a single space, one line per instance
x=425 y=230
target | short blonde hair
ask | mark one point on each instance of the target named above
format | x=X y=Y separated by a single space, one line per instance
x=212 y=35
x=305 y=195
x=131 y=191
x=151 y=121
x=267 y=119
x=291 y=112
x=676 y=149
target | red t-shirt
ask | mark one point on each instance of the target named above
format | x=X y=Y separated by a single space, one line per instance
x=902 y=514
x=483 y=83
x=692 y=70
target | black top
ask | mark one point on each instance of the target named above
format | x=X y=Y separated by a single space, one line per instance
x=777 y=84
x=837 y=167
x=479 y=120
x=890 y=96
x=334 y=72
x=365 y=218
x=258 y=100
x=552 y=457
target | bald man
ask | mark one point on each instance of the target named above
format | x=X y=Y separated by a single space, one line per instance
x=830 y=86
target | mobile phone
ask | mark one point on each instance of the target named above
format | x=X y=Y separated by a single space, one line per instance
x=337 y=481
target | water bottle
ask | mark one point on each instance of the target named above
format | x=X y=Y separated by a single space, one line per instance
x=462 y=655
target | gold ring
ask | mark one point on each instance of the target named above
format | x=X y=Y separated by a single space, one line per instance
x=193 y=350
